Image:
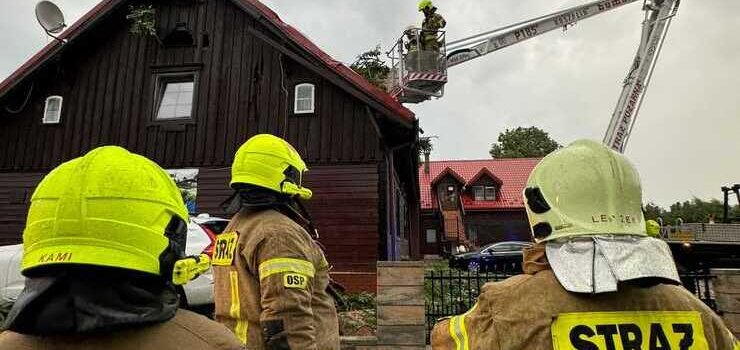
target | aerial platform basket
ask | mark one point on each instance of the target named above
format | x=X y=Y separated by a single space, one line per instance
x=417 y=73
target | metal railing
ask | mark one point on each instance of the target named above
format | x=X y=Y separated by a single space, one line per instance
x=701 y=232
x=409 y=55
x=453 y=292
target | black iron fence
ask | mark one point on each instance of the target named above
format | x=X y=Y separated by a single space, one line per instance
x=453 y=292
x=700 y=283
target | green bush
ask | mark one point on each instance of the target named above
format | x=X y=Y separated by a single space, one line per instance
x=357 y=314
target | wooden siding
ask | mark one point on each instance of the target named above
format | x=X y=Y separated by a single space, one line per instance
x=107 y=79
x=15 y=194
x=244 y=86
x=344 y=208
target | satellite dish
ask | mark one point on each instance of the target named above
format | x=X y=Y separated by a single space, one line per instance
x=50 y=17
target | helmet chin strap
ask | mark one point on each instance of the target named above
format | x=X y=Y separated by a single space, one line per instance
x=257 y=198
x=176 y=233
x=174 y=266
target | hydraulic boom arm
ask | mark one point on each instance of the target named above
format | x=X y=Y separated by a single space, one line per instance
x=464 y=50
x=654 y=28
x=658 y=15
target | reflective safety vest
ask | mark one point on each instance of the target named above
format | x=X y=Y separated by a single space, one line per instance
x=270 y=284
x=532 y=311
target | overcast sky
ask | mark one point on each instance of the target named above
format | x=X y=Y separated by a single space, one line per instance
x=687 y=138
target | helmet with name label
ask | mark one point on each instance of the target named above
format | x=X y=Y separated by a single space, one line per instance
x=108 y=208
x=584 y=189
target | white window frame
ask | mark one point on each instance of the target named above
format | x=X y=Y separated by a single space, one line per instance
x=433 y=233
x=479 y=196
x=165 y=78
x=313 y=98
x=484 y=193
x=44 y=118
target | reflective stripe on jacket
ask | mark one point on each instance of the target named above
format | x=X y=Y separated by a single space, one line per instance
x=275 y=284
x=532 y=310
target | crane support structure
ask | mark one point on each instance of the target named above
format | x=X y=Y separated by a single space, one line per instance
x=658 y=16
x=418 y=75
x=654 y=28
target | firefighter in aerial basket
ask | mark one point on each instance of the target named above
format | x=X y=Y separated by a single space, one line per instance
x=271 y=276
x=430 y=27
x=103 y=248
x=594 y=279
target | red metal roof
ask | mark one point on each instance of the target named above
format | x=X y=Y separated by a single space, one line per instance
x=294 y=34
x=512 y=173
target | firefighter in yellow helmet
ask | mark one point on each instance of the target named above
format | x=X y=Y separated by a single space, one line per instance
x=432 y=24
x=104 y=237
x=652 y=228
x=594 y=279
x=271 y=276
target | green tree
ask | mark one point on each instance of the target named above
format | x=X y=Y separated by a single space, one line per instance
x=653 y=211
x=694 y=210
x=370 y=65
x=424 y=147
x=523 y=143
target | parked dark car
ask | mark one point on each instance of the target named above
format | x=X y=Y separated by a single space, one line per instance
x=495 y=257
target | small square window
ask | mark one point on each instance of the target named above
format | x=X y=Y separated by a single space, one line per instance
x=490 y=193
x=484 y=193
x=52 y=110
x=431 y=235
x=304 y=98
x=175 y=96
x=478 y=193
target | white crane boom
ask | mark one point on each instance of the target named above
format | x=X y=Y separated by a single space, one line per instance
x=654 y=29
x=467 y=49
x=418 y=74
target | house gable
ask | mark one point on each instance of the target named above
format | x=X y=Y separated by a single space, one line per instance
x=108 y=79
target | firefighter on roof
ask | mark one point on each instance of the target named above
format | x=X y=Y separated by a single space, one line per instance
x=104 y=238
x=595 y=279
x=271 y=277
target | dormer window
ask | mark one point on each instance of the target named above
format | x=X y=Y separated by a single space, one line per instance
x=52 y=110
x=484 y=193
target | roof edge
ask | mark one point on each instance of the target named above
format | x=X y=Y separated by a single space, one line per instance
x=394 y=108
x=48 y=51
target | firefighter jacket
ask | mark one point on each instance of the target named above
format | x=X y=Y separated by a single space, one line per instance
x=271 y=282
x=532 y=311
x=184 y=331
x=429 y=28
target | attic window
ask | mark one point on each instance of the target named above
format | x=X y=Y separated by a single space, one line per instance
x=304 y=98
x=52 y=110
x=484 y=193
x=175 y=96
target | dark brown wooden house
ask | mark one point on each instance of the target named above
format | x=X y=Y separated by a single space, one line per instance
x=216 y=73
x=473 y=203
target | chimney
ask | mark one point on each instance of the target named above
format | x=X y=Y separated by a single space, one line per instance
x=426 y=162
